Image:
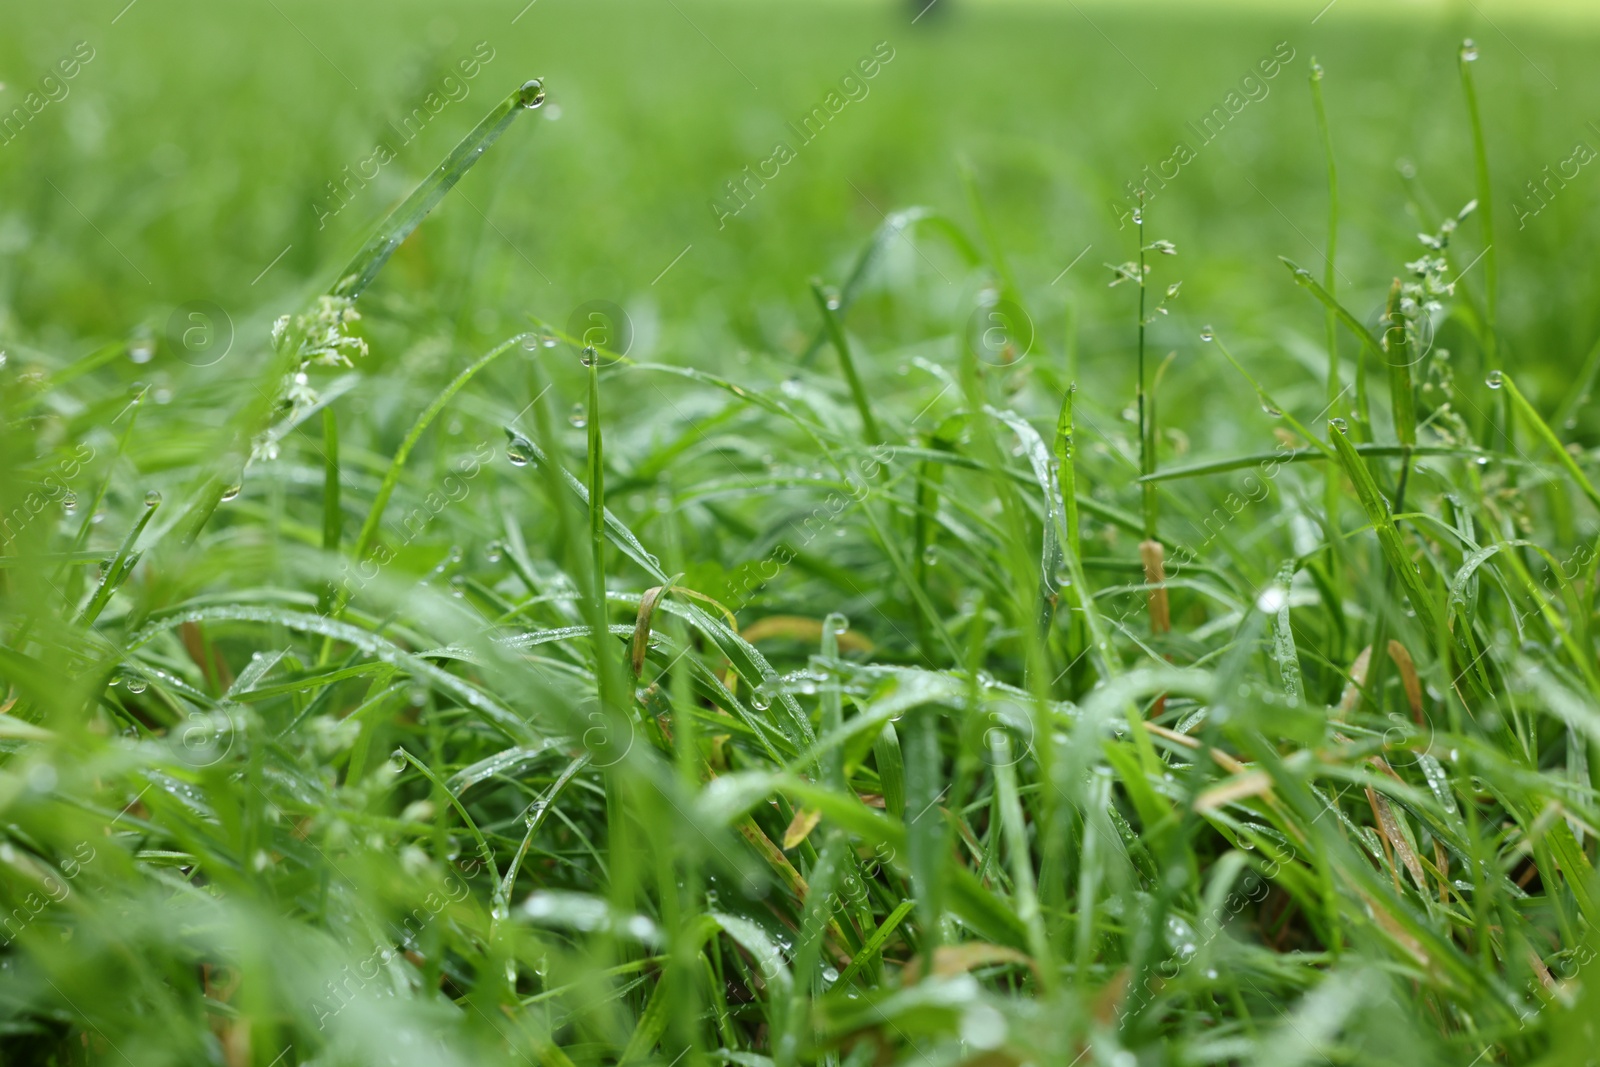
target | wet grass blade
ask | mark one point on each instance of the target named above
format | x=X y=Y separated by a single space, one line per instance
x=1397 y=354
x=332 y=513
x=847 y=363
x=391 y=477
x=1547 y=436
x=121 y=566
x=360 y=271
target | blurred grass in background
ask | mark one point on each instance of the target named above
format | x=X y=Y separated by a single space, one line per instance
x=192 y=151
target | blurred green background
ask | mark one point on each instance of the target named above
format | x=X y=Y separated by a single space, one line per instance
x=186 y=161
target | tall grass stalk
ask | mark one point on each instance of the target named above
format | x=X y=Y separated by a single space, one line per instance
x=1330 y=282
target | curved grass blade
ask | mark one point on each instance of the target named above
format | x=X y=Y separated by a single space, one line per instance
x=369 y=529
x=120 y=568
x=496 y=713
x=1298 y=455
x=1546 y=435
x=847 y=363
x=896 y=226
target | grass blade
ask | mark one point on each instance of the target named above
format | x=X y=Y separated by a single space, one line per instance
x=361 y=270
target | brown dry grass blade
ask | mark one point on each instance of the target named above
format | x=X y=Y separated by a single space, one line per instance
x=803 y=629
x=1389 y=827
x=1155 y=576
x=641 y=627
x=805 y=820
x=951 y=960
x=1408 y=679
x=1249 y=784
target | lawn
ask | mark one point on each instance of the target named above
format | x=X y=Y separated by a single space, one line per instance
x=699 y=533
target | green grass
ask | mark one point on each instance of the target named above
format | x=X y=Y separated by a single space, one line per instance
x=776 y=675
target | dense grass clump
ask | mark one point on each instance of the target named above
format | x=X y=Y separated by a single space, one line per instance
x=893 y=654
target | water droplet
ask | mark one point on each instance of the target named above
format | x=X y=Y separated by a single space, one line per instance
x=418 y=695
x=141 y=351
x=790 y=387
x=1138 y=216
x=1469 y=51
x=532 y=93
x=1316 y=71
x=1482 y=461
x=518 y=450
x=70 y=502
x=1207 y=333
x=588 y=356
x=1340 y=425
x=492 y=551
x=1269 y=410
x=232 y=492
x=530 y=341
x=837 y=623
x=1495 y=379
x=1272 y=600
x=761 y=697
x=137 y=685
x=579 y=416
x=930 y=556
x=152 y=498
x=830 y=975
